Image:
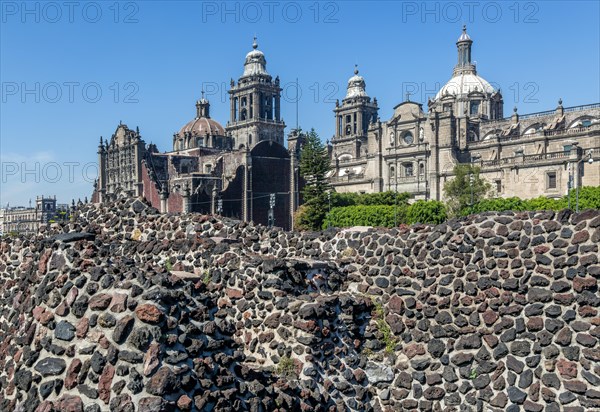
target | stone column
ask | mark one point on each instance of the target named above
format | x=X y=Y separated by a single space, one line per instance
x=292 y=187
x=164 y=196
x=277 y=107
x=213 y=199
x=186 y=207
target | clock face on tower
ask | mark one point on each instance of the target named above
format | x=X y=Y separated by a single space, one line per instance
x=408 y=138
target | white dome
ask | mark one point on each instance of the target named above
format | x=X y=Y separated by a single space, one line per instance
x=463 y=84
x=356 y=86
x=255 y=62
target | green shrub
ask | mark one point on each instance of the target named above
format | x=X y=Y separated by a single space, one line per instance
x=388 y=198
x=365 y=215
x=286 y=368
x=423 y=211
x=589 y=198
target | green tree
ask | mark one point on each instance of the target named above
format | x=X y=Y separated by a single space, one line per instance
x=314 y=165
x=465 y=189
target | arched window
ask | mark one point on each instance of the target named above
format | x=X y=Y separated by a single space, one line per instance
x=249 y=139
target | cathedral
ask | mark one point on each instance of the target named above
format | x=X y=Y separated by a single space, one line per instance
x=416 y=151
x=213 y=169
x=230 y=170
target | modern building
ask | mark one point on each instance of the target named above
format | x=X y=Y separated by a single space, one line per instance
x=242 y=170
x=416 y=151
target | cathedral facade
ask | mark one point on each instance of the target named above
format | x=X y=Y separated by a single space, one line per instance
x=243 y=169
x=213 y=169
x=416 y=151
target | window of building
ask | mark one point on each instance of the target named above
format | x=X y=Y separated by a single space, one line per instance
x=567 y=148
x=408 y=138
x=498 y=186
x=200 y=142
x=586 y=123
x=408 y=169
x=447 y=107
x=474 y=108
x=208 y=168
x=551 y=180
x=392 y=171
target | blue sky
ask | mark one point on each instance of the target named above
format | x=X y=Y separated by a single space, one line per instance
x=70 y=72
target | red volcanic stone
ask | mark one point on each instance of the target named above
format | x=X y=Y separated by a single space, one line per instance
x=71 y=296
x=491 y=340
x=62 y=309
x=163 y=382
x=541 y=249
x=535 y=324
x=575 y=386
x=119 y=303
x=82 y=327
x=105 y=383
x=100 y=301
x=43 y=265
x=580 y=284
x=490 y=317
x=37 y=312
x=587 y=311
x=72 y=372
x=149 y=313
x=151 y=359
x=69 y=403
x=564 y=298
x=566 y=368
x=413 y=350
x=564 y=336
x=580 y=237
x=234 y=293
x=396 y=305
x=45 y=406
x=184 y=403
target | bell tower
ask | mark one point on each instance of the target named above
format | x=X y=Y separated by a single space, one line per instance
x=353 y=117
x=255 y=111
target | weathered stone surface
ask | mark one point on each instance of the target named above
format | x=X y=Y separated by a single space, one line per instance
x=163 y=382
x=149 y=313
x=189 y=312
x=50 y=366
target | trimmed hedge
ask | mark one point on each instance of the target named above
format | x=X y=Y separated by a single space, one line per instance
x=385 y=215
x=589 y=198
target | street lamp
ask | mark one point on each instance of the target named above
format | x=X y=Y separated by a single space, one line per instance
x=590 y=156
x=474 y=158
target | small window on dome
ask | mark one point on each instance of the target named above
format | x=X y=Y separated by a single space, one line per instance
x=586 y=123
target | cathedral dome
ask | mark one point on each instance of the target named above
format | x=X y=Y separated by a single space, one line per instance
x=356 y=86
x=255 y=62
x=203 y=126
x=463 y=84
